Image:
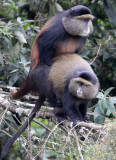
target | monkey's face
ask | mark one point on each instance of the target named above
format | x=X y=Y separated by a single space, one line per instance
x=78 y=21
x=83 y=89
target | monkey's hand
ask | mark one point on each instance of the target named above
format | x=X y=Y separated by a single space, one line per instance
x=12 y=92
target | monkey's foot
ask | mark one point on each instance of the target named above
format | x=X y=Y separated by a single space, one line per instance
x=86 y=118
x=75 y=122
x=12 y=92
x=61 y=118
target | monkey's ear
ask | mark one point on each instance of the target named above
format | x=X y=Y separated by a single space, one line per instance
x=81 y=80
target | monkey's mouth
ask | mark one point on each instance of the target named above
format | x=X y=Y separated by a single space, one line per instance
x=86 y=32
x=79 y=93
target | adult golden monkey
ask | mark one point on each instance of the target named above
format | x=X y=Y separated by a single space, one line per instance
x=69 y=84
x=64 y=33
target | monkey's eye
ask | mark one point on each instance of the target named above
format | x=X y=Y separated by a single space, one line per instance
x=85 y=20
x=80 y=83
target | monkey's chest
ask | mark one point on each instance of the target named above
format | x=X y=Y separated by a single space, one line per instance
x=67 y=46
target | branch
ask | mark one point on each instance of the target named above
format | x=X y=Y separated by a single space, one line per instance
x=78 y=146
x=98 y=52
x=5 y=133
x=45 y=112
x=70 y=135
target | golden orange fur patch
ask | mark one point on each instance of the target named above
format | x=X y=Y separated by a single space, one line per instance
x=86 y=16
x=68 y=46
x=79 y=79
x=35 y=48
x=63 y=67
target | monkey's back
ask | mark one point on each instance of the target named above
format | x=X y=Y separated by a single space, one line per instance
x=65 y=67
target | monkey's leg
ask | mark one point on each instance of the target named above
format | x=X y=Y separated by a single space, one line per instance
x=56 y=102
x=21 y=130
x=60 y=114
x=83 y=110
x=23 y=90
x=69 y=106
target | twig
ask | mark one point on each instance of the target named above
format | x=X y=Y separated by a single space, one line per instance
x=98 y=52
x=78 y=146
x=100 y=45
x=4 y=102
x=48 y=148
x=14 y=130
x=43 y=146
x=5 y=133
x=30 y=155
x=42 y=125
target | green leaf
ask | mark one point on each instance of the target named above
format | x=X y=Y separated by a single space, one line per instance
x=58 y=7
x=110 y=106
x=27 y=69
x=98 y=116
x=4 y=14
x=100 y=95
x=14 y=71
x=13 y=80
x=2 y=125
x=108 y=113
x=108 y=91
x=113 y=99
x=102 y=105
x=110 y=10
x=19 y=35
x=16 y=49
x=1 y=59
x=23 y=59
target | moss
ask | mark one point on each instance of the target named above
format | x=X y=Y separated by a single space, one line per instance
x=106 y=149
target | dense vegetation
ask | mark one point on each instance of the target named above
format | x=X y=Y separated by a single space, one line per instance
x=21 y=20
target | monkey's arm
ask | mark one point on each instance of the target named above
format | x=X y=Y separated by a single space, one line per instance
x=21 y=130
x=46 y=53
x=69 y=106
x=83 y=110
x=48 y=41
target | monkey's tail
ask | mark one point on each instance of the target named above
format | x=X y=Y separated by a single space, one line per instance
x=12 y=140
x=23 y=90
x=28 y=121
